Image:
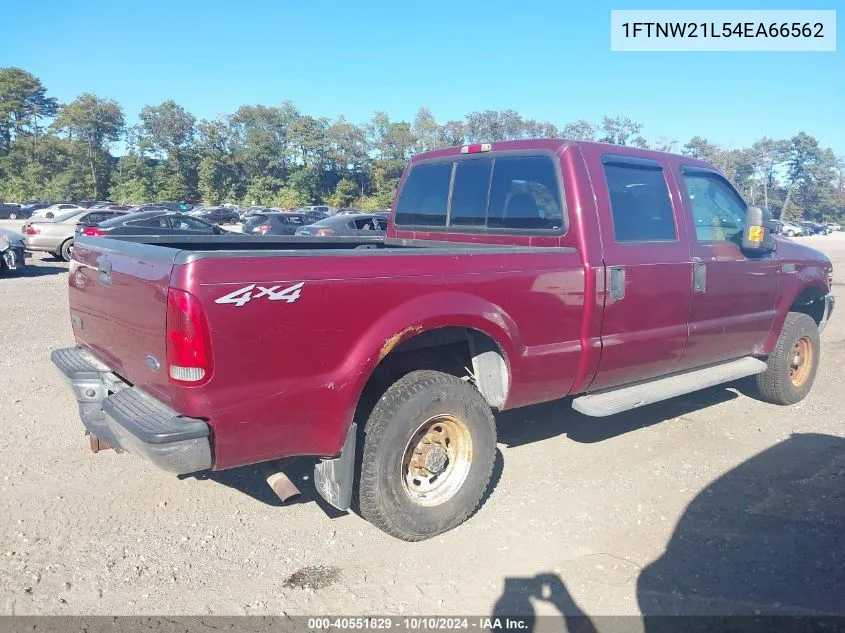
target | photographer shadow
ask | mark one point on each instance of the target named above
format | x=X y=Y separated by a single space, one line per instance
x=515 y=611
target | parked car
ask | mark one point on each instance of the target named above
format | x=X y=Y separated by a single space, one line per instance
x=248 y=212
x=56 y=235
x=347 y=211
x=488 y=293
x=320 y=208
x=31 y=206
x=218 y=215
x=344 y=225
x=12 y=251
x=279 y=223
x=792 y=229
x=153 y=223
x=55 y=210
x=833 y=226
x=812 y=228
x=9 y=211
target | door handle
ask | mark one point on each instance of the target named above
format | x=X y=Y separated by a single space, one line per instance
x=699 y=277
x=617 y=283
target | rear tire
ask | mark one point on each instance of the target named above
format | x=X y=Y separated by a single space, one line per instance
x=66 y=250
x=13 y=216
x=793 y=364
x=428 y=455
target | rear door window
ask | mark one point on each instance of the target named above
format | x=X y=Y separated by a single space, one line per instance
x=640 y=204
x=425 y=196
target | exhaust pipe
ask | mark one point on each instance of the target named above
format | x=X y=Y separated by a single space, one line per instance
x=284 y=488
x=97 y=444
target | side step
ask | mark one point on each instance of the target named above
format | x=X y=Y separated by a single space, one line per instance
x=619 y=399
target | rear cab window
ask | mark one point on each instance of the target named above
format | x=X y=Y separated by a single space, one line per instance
x=502 y=192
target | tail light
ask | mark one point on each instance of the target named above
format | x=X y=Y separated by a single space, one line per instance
x=189 y=357
x=93 y=231
x=31 y=230
x=325 y=232
x=263 y=228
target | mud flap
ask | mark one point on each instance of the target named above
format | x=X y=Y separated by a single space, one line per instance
x=334 y=478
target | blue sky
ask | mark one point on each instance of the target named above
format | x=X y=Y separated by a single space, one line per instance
x=540 y=57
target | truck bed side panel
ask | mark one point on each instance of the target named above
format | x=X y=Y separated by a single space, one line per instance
x=288 y=374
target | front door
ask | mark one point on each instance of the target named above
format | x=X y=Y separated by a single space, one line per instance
x=648 y=272
x=733 y=302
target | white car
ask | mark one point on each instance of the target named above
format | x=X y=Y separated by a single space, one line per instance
x=54 y=210
x=833 y=226
x=792 y=230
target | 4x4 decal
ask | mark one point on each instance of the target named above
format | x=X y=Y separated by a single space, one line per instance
x=244 y=295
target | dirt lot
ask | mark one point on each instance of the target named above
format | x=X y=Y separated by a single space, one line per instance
x=712 y=502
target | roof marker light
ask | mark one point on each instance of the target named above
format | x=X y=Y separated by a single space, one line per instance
x=478 y=147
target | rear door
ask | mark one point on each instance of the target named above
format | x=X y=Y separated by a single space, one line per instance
x=648 y=270
x=732 y=308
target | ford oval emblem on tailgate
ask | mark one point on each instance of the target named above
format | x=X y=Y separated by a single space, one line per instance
x=152 y=363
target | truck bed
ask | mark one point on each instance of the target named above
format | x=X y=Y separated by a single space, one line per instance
x=298 y=325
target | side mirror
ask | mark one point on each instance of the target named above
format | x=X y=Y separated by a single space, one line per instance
x=756 y=237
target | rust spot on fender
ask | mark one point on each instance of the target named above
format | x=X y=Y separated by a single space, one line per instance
x=390 y=343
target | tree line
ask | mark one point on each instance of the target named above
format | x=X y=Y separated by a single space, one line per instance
x=281 y=156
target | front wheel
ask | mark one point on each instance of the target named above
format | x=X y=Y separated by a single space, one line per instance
x=429 y=449
x=792 y=366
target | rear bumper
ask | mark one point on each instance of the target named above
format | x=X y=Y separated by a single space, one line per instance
x=43 y=243
x=129 y=419
x=829 y=305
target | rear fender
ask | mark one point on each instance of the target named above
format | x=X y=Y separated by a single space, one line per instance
x=422 y=314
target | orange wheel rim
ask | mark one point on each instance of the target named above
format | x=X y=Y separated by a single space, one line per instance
x=801 y=361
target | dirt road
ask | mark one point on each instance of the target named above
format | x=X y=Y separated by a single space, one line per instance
x=713 y=501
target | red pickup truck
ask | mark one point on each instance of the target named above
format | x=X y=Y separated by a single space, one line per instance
x=513 y=273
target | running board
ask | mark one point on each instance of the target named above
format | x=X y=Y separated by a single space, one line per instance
x=629 y=397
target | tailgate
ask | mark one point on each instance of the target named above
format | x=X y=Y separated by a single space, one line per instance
x=118 y=307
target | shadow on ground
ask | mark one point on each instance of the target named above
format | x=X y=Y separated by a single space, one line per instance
x=543 y=421
x=45 y=267
x=515 y=428
x=764 y=540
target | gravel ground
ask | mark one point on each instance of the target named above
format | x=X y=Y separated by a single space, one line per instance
x=714 y=502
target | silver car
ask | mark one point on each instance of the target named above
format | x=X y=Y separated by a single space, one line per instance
x=56 y=235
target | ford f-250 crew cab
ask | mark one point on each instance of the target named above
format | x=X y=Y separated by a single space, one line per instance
x=513 y=273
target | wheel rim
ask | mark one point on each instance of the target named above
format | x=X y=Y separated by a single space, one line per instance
x=437 y=460
x=801 y=361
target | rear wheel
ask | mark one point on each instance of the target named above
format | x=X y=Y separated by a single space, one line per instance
x=66 y=250
x=793 y=364
x=13 y=216
x=429 y=449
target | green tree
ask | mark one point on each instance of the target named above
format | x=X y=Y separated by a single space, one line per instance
x=133 y=180
x=168 y=130
x=580 y=130
x=95 y=122
x=23 y=101
x=344 y=194
x=621 y=130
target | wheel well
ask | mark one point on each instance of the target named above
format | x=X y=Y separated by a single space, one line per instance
x=462 y=352
x=809 y=303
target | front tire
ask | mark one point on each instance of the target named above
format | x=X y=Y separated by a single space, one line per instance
x=793 y=364
x=428 y=455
